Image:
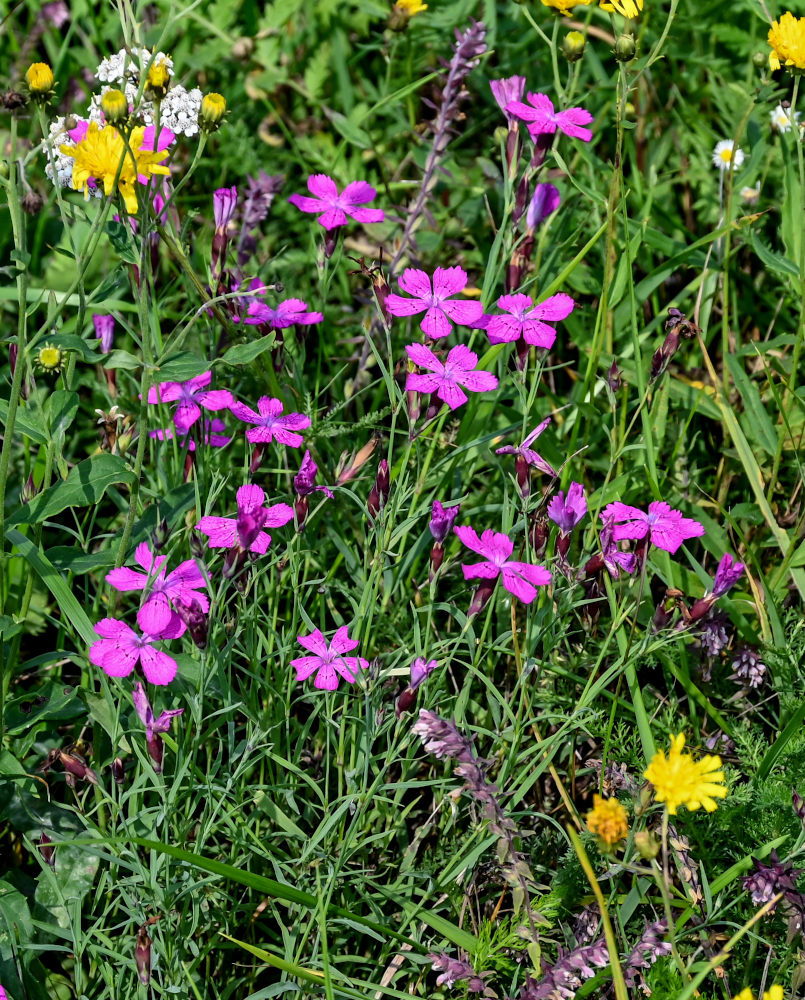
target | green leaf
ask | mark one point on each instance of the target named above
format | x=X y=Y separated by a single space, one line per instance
x=774 y=752
x=28 y=421
x=244 y=354
x=352 y=133
x=770 y=260
x=122 y=359
x=71 y=611
x=68 y=342
x=122 y=240
x=181 y=367
x=62 y=406
x=756 y=421
x=59 y=890
x=85 y=484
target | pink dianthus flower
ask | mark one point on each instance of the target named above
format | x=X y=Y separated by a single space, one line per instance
x=245 y=530
x=271 y=425
x=665 y=527
x=447 y=378
x=328 y=661
x=119 y=650
x=519 y=578
x=191 y=396
x=434 y=300
x=335 y=207
x=542 y=119
x=522 y=319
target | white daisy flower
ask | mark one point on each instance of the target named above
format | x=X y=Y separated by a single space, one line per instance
x=727 y=155
x=781 y=118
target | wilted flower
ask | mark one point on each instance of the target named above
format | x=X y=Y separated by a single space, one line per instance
x=525 y=456
x=507 y=90
x=304 y=479
x=104 y=330
x=328 y=660
x=442 y=520
x=678 y=779
x=566 y=512
x=153 y=726
x=286 y=313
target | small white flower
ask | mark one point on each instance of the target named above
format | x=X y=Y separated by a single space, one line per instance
x=750 y=195
x=113 y=69
x=781 y=118
x=727 y=155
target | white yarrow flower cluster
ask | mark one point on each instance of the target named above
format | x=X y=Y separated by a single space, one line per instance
x=727 y=155
x=58 y=167
x=179 y=110
x=130 y=65
x=781 y=118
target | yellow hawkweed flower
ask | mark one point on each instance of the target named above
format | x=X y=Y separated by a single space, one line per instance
x=98 y=155
x=411 y=7
x=787 y=40
x=608 y=820
x=565 y=6
x=678 y=779
x=629 y=8
x=115 y=107
x=39 y=77
x=775 y=993
x=50 y=359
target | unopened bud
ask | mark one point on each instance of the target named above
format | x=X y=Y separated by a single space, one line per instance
x=301 y=506
x=29 y=490
x=197 y=546
x=760 y=59
x=648 y=847
x=625 y=48
x=115 y=106
x=47 y=850
x=39 y=77
x=379 y=493
x=118 y=771
x=142 y=955
x=160 y=535
x=573 y=46
x=158 y=79
x=212 y=111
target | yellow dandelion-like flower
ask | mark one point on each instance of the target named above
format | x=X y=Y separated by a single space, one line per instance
x=678 y=779
x=787 y=40
x=629 y=8
x=566 y=6
x=98 y=157
x=775 y=993
x=50 y=359
x=411 y=7
x=608 y=820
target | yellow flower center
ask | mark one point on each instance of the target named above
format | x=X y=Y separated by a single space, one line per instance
x=50 y=358
x=158 y=75
x=726 y=155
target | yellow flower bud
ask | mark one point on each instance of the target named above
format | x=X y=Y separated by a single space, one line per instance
x=648 y=847
x=573 y=46
x=39 y=77
x=211 y=113
x=158 y=79
x=115 y=107
x=625 y=48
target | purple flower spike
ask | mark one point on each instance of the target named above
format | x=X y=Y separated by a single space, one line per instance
x=527 y=453
x=506 y=91
x=180 y=585
x=224 y=202
x=567 y=512
x=190 y=396
x=545 y=200
x=666 y=527
x=328 y=660
x=434 y=301
x=728 y=574
x=442 y=520
x=119 y=650
x=420 y=670
x=523 y=319
x=146 y=713
x=286 y=314
x=245 y=530
x=104 y=331
x=542 y=119
x=448 y=377
x=304 y=479
x=271 y=425
x=519 y=578
x=335 y=207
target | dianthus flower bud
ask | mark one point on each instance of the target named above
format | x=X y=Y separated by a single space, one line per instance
x=212 y=111
x=118 y=771
x=47 y=850
x=142 y=955
x=573 y=46
x=442 y=520
x=625 y=48
x=39 y=77
x=160 y=535
x=379 y=493
x=115 y=107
